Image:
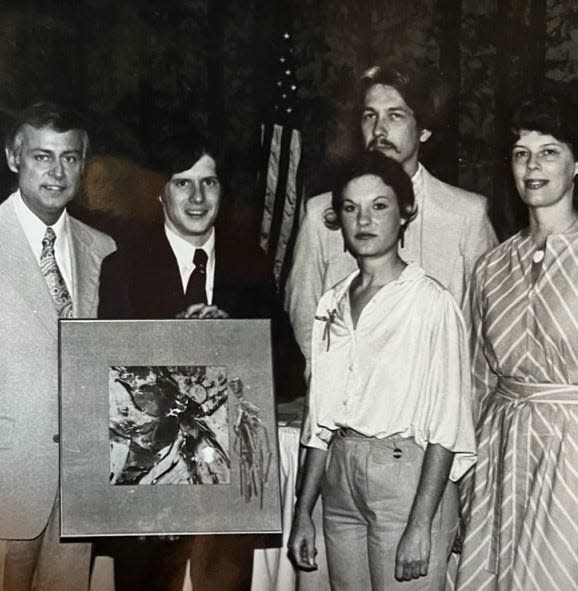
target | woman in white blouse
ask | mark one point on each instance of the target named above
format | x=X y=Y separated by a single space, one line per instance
x=389 y=423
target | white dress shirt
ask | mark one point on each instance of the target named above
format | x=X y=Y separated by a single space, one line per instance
x=184 y=252
x=35 y=230
x=404 y=370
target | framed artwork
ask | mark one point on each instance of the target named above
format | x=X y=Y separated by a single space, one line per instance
x=167 y=427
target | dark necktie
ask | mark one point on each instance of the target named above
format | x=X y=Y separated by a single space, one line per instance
x=196 y=289
x=53 y=276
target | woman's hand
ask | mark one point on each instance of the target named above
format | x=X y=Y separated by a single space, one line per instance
x=413 y=550
x=301 y=543
x=202 y=311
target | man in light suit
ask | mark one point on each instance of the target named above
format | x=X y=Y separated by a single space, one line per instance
x=49 y=266
x=450 y=231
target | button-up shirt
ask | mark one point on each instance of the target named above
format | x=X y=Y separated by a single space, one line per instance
x=184 y=252
x=35 y=230
x=403 y=370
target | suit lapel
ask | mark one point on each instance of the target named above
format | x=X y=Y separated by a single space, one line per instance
x=21 y=270
x=85 y=271
x=156 y=289
x=441 y=232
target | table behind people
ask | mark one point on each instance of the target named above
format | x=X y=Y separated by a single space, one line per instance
x=400 y=110
x=50 y=264
x=194 y=264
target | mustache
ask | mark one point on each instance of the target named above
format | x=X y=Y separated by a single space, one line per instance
x=380 y=143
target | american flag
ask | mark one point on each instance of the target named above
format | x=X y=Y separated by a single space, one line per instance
x=280 y=171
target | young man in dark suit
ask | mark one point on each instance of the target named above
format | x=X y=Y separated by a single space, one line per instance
x=194 y=264
x=196 y=243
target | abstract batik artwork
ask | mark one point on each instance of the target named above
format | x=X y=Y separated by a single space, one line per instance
x=168 y=425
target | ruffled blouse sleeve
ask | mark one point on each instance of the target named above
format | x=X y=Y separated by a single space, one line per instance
x=312 y=433
x=447 y=414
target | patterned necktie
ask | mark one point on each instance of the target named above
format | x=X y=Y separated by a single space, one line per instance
x=196 y=291
x=53 y=276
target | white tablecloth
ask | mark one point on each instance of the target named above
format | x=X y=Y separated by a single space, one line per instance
x=272 y=569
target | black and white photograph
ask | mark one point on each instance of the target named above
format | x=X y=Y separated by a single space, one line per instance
x=289 y=295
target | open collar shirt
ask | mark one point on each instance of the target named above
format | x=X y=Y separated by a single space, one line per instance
x=403 y=370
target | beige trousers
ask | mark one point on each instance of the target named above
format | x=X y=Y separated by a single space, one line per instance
x=367 y=496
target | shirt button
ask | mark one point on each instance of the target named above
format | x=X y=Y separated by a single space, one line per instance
x=56 y=438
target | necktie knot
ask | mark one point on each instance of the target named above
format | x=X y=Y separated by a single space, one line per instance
x=200 y=260
x=49 y=237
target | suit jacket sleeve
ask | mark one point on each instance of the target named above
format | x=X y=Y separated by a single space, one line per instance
x=249 y=292
x=478 y=239
x=304 y=286
x=113 y=294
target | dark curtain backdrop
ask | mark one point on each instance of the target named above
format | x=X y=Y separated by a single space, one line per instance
x=145 y=69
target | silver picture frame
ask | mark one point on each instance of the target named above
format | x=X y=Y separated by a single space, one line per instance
x=167 y=428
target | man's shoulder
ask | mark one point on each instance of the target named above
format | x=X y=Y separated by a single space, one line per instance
x=316 y=205
x=319 y=213
x=143 y=246
x=454 y=198
x=7 y=206
x=97 y=241
x=240 y=253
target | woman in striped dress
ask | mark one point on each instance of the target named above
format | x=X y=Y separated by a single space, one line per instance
x=522 y=505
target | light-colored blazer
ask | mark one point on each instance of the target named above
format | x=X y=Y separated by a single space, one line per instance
x=29 y=368
x=455 y=231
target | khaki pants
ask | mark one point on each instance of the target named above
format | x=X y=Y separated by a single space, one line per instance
x=367 y=497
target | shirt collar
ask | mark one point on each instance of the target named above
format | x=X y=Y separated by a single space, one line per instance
x=185 y=251
x=34 y=228
x=411 y=273
x=417 y=180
